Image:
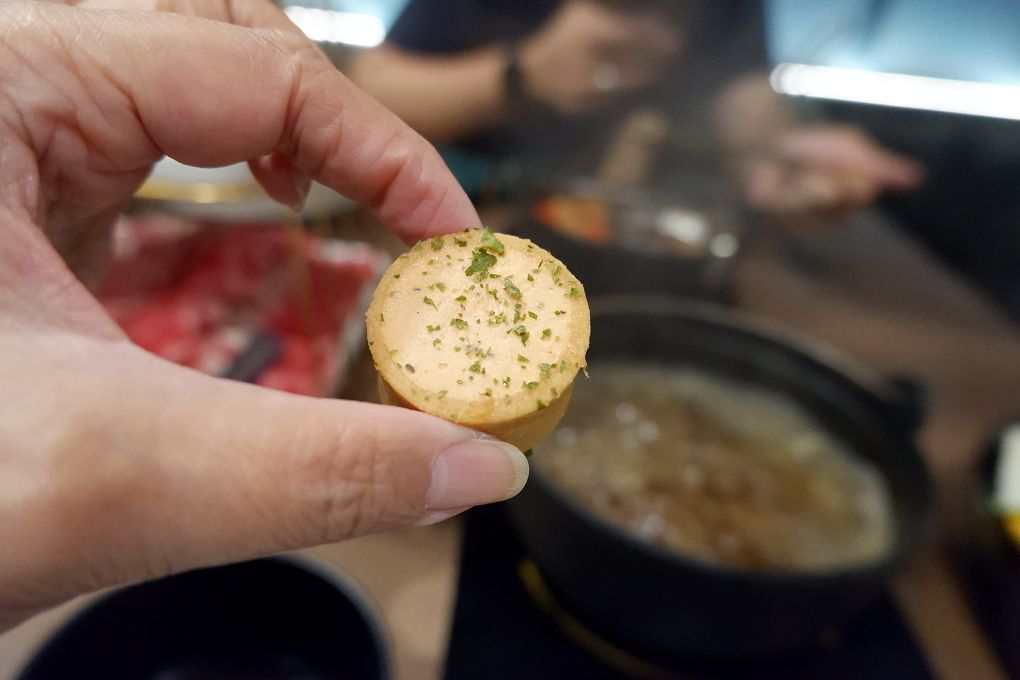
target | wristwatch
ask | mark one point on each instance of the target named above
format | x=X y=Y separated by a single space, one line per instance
x=518 y=98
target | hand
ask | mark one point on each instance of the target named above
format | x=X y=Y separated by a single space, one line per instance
x=822 y=173
x=586 y=54
x=115 y=465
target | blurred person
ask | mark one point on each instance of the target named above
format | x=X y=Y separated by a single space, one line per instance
x=546 y=79
x=118 y=466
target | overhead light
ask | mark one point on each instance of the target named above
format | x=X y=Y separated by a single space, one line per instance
x=898 y=89
x=349 y=28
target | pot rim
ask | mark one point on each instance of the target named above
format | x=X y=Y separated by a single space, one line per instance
x=860 y=377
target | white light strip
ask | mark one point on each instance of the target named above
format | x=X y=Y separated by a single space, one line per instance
x=350 y=28
x=897 y=89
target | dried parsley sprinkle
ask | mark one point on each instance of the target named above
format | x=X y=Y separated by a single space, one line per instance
x=459 y=241
x=493 y=276
x=440 y=286
x=511 y=289
x=490 y=241
x=544 y=370
x=442 y=393
x=437 y=243
x=530 y=277
x=417 y=246
x=546 y=332
x=458 y=323
x=432 y=329
x=487 y=392
x=476 y=367
x=396 y=276
x=574 y=293
x=506 y=381
x=541 y=404
x=460 y=298
x=563 y=366
x=436 y=343
x=558 y=312
x=427 y=300
x=480 y=262
x=531 y=385
x=523 y=359
x=381 y=317
x=533 y=315
x=522 y=333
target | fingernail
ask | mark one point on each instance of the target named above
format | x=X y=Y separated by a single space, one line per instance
x=474 y=472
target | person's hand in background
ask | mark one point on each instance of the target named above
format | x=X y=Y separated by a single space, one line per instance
x=803 y=175
x=584 y=56
x=115 y=465
x=813 y=175
x=587 y=54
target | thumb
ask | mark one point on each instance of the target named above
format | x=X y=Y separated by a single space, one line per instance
x=204 y=471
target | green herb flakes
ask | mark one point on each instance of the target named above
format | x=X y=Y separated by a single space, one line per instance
x=476 y=367
x=480 y=262
x=432 y=329
x=427 y=300
x=440 y=286
x=533 y=315
x=574 y=293
x=436 y=343
x=522 y=333
x=442 y=393
x=546 y=332
x=541 y=404
x=490 y=241
x=523 y=359
x=458 y=323
x=459 y=241
x=437 y=243
x=544 y=370
x=511 y=289
x=461 y=299
x=531 y=385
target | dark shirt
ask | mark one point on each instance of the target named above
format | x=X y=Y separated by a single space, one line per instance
x=724 y=39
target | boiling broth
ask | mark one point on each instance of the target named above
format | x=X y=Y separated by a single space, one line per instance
x=718 y=470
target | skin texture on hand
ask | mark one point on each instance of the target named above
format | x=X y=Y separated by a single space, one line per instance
x=115 y=465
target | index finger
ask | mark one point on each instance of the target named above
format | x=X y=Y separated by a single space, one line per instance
x=208 y=93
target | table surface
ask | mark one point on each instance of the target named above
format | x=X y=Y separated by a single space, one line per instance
x=862 y=288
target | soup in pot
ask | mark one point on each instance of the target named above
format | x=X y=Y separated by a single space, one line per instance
x=718 y=470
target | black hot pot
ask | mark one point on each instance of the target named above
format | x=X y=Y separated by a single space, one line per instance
x=670 y=608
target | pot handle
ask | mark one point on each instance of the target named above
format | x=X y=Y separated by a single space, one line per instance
x=906 y=400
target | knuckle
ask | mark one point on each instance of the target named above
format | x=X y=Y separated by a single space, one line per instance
x=348 y=481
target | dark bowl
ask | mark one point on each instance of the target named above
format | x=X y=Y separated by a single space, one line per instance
x=271 y=619
x=668 y=607
x=637 y=258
